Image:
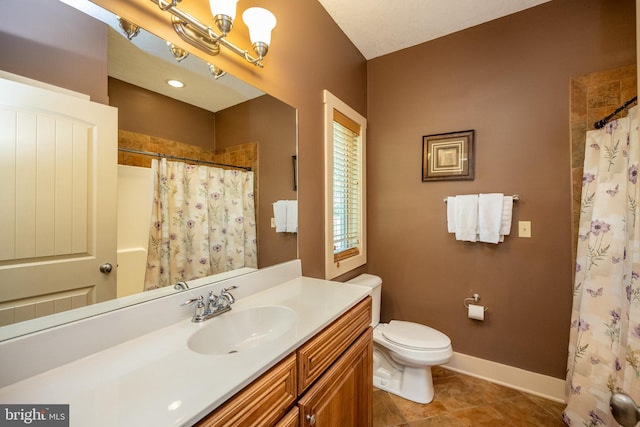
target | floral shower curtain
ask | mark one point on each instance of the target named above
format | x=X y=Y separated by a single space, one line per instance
x=604 y=345
x=203 y=222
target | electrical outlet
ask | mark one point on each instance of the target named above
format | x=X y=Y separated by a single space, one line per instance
x=524 y=228
x=273 y=223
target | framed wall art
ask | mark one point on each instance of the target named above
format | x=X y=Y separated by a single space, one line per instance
x=448 y=156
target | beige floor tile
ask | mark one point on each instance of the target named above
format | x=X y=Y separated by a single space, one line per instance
x=464 y=401
x=385 y=412
x=524 y=412
x=554 y=408
x=414 y=411
x=456 y=393
x=439 y=421
x=481 y=416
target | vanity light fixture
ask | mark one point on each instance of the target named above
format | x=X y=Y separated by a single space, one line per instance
x=259 y=21
x=175 y=83
x=216 y=72
x=177 y=52
x=130 y=29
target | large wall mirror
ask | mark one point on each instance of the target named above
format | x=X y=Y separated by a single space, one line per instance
x=219 y=119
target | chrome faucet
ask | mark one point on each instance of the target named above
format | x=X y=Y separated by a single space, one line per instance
x=214 y=305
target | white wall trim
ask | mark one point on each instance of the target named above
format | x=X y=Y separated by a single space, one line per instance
x=508 y=376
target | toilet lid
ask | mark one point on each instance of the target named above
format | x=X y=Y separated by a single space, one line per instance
x=414 y=335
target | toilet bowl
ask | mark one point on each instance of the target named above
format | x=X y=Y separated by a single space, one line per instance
x=403 y=352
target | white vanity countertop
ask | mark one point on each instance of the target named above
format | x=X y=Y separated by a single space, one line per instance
x=157 y=380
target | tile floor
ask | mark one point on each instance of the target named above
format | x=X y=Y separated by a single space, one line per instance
x=464 y=401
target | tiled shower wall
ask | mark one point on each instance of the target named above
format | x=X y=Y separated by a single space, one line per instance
x=593 y=97
x=237 y=155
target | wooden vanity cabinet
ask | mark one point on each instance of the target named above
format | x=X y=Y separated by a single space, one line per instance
x=343 y=395
x=330 y=377
x=262 y=403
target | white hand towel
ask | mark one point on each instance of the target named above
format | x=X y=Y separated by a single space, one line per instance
x=451 y=214
x=280 y=215
x=490 y=217
x=507 y=214
x=467 y=217
x=292 y=216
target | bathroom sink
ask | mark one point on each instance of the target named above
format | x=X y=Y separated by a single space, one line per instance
x=242 y=330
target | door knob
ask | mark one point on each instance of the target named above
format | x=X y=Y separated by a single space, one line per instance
x=106 y=268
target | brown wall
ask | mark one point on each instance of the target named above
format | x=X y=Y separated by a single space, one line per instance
x=272 y=124
x=150 y=113
x=41 y=47
x=509 y=80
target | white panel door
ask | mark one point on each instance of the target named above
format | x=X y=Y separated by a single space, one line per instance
x=58 y=175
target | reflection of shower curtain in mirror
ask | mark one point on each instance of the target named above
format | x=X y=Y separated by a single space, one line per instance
x=203 y=223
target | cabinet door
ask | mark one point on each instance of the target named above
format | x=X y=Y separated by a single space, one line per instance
x=321 y=351
x=343 y=395
x=263 y=403
x=291 y=419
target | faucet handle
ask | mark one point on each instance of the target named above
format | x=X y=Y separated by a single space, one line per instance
x=227 y=294
x=200 y=309
x=192 y=300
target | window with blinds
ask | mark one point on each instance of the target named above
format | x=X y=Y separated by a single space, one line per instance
x=345 y=206
x=346 y=187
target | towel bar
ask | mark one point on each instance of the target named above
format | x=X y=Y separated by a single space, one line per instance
x=515 y=198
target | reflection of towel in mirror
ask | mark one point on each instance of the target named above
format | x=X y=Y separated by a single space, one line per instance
x=292 y=216
x=285 y=213
x=280 y=215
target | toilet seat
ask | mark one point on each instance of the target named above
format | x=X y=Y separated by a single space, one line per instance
x=415 y=336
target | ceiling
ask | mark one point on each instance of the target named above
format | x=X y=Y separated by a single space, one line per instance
x=377 y=28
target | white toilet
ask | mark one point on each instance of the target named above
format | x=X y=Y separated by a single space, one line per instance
x=403 y=352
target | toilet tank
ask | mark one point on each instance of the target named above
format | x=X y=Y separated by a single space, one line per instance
x=375 y=283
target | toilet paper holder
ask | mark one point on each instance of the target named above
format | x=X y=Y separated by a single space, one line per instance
x=474 y=298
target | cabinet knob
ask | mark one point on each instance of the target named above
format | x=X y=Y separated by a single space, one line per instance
x=311 y=419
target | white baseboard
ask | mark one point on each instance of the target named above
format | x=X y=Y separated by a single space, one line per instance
x=508 y=376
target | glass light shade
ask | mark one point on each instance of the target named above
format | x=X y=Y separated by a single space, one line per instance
x=223 y=7
x=260 y=22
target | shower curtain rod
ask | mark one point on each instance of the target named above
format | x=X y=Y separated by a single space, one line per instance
x=166 y=156
x=601 y=123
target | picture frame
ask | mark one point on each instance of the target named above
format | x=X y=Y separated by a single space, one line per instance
x=448 y=156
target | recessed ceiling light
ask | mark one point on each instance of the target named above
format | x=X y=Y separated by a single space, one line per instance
x=175 y=83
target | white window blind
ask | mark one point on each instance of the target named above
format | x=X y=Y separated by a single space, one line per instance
x=347 y=189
